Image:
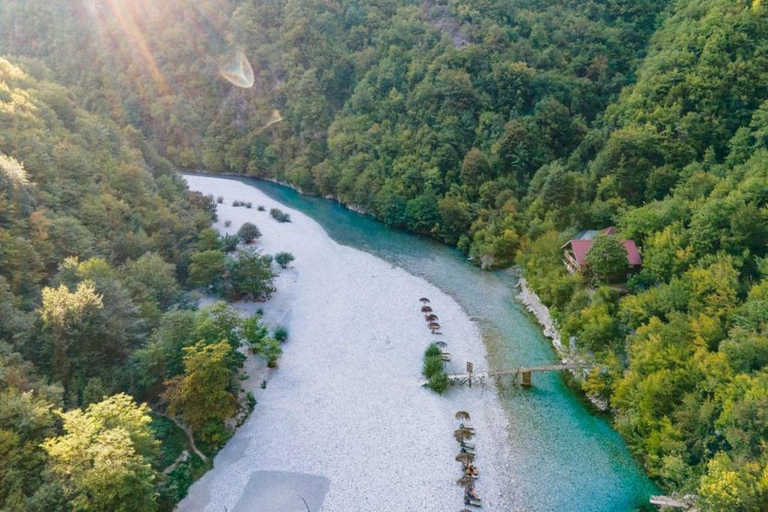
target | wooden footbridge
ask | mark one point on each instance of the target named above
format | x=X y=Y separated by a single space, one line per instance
x=524 y=373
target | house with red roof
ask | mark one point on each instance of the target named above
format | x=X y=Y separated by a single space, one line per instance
x=575 y=251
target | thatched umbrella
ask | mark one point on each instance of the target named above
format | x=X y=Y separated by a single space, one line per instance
x=424 y=300
x=441 y=344
x=433 y=325
x=462 y=434
x=462 y=415
x=430 y=317
x=465 y=482
x=426 y=309
x=465 y=458
x=465 y=510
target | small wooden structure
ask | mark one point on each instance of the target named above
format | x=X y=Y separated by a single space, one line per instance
x=524 y=372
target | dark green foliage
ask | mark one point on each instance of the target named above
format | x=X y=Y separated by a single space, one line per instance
x=279 y=215
x=432 y=365
x=437 y=378
x=438 y=382
x=432 y=351
x=250 y=277
x=207 y=269
x=284 y=259
x=248 y=232
x=501 y=127
x=229 y=243
x=280 y=334
x=607 y=257
x=260 y=208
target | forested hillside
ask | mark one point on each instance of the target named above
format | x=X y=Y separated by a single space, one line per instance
x=97 y=235
x=501 y=127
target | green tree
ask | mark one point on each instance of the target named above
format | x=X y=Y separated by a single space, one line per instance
x=69 y=316
x=250 y=276
x=248 y=232
x=202 y=397
x=207 y=268
x=607 y=256
x=103 y=461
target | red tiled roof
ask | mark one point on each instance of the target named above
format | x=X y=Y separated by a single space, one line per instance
x=580 y=249
x=633 y=255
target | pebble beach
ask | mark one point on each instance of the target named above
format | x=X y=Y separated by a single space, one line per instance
x=343 y=424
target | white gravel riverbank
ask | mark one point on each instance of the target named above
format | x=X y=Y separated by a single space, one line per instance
x=344 y=403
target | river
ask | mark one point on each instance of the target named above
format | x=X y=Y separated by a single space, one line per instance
x=564 y=457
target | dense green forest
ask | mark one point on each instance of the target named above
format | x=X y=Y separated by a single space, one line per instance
x=500 y=127
x=97 y=236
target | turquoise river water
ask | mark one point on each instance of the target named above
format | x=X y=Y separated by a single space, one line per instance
x=565 y=458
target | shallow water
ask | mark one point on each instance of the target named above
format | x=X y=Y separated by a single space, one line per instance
x=565 y=458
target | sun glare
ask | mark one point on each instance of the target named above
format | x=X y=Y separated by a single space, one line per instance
x=238 y=71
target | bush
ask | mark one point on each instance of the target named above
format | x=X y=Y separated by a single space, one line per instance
x=261 y=208
x=227 y=223
x=281 y=334
x=220 y=200
x=229 y=243
x=284 y=259
x=248 y=204
x=279 y=215
x=432 y=366
x=433 y=351
x=237 y=203
x=271 y=351
x=437 y=379
x=438 y=382
x=248 y=232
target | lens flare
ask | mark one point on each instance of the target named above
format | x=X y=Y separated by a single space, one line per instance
x=238 y=71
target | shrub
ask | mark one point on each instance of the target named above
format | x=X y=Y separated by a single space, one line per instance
x=284 y=259
x=227 y=223
x=229 y=243
x=237 y=203
x=281 y=334
x=437 y=379
x=220 y=200
x=271 y=351
x=248 y=204
x=432 y=366
x=261 y=208
x=254 y=333
x=433 y=351
x=438 y=382
x=248 y=232
x=279 y=215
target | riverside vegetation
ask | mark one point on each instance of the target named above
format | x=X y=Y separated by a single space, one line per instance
x=98 y=240
x=502 y=128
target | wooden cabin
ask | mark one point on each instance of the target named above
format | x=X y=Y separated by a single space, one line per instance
x=575 y=251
